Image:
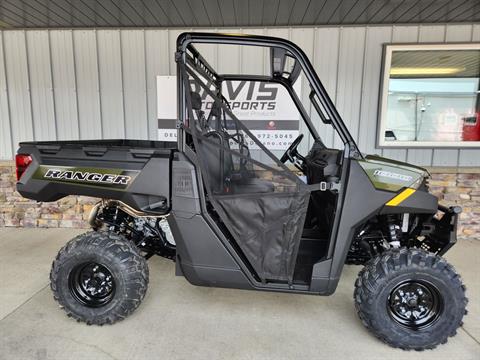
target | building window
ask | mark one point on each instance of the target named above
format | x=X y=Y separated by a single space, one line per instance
x=430 y=96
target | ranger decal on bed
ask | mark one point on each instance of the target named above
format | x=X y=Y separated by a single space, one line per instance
x=116 y=178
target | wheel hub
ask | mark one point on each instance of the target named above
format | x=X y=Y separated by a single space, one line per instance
x=92 y=284
x=415 y=304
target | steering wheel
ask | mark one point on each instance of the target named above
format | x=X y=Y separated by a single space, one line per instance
x=292 y=152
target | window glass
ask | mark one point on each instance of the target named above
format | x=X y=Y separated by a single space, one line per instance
x=431 y=96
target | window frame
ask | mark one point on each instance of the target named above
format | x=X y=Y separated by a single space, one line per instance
x=388 y=49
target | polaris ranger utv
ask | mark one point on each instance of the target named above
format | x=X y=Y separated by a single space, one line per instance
x=244 y=216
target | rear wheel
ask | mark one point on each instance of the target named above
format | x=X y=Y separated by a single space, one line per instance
x=410 y=298
x=99 y=278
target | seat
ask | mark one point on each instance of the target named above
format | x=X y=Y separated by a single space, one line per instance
x=219 y=163
x=252 y=185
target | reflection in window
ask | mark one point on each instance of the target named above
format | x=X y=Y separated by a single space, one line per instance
x=432 y=95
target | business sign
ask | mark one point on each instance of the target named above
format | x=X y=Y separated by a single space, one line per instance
x=167 y=107
x=266 y=109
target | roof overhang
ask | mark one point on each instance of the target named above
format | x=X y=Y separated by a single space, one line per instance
x=231 y=13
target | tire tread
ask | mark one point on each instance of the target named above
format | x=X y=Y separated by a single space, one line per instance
x=378 y=270
x=137 y=273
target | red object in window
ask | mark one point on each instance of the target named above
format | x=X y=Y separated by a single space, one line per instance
x=22 y=161
x=471 y=128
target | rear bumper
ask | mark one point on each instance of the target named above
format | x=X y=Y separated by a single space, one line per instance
x=446 y=227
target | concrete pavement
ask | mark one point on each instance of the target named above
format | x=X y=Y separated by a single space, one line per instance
x=181 y=321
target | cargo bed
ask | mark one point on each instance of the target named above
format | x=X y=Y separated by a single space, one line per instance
x=136 y=172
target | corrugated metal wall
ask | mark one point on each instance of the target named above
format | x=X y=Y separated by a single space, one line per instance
x=90 y=84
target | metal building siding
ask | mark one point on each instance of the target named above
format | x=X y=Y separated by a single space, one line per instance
x=6 y=149
x=229 y=61
x=134 y=83
x=252 y=59
x=71 y=84
x=111 y=84
x=64 y=84
x=41 y=87
x=88 y=90
x=17 y=75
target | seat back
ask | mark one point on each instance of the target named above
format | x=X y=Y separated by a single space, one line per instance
x=218 y=163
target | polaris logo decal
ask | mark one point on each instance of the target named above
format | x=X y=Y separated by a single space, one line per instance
x=391 y=175
x=112 y=178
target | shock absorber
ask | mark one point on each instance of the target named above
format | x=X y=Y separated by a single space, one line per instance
x=393 y=230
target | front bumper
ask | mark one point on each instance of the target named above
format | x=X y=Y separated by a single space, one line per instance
x=445 y=231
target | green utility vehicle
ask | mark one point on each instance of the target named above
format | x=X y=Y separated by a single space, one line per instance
x=245 y=216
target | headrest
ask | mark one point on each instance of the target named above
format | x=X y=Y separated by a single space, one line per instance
x=216 y=109
x=196 y=101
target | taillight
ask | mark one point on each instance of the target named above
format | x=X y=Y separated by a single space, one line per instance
x=22 y=161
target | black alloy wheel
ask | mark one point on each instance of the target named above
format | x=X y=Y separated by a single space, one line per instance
x=415 y=304
x=99 y=277
x=92 y=284
x=410 y=298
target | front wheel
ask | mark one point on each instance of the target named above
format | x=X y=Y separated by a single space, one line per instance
x=410 y=298
x=99 y=278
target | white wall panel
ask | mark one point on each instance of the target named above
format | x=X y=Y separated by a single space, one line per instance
x=16 y=68
x=134 y=84
x=88 y=91
x=6 y=148
x=64 y=84
x=229 y=62
x=71 y=84
x=208 y=51
x=111 y=84
x=476 y=32
x=41 y=87
x=252 y=58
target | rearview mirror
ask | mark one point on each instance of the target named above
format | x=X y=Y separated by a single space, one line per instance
x=284 y=65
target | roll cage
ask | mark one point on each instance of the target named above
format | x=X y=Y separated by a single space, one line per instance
x=280 y=49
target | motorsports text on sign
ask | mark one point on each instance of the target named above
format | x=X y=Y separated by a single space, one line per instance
x=266 y=109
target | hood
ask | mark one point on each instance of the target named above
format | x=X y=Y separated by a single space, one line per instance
x=392 y=175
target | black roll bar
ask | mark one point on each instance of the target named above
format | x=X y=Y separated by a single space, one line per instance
x=185 y=40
